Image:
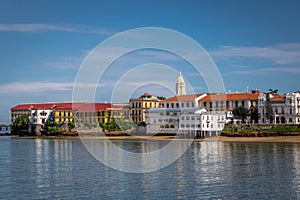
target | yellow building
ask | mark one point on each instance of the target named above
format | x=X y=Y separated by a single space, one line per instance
x=137 y=106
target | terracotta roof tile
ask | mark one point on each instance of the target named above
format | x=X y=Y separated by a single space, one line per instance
x=230 y=97
x=277 y=97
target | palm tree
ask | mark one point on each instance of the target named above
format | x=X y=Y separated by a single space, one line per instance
x=273 y=91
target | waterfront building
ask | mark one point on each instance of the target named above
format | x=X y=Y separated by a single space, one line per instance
x=137 y=106
x=227 y=102
x=286 y=108
x=5 y=129
x=65 y=112
x=193 y=121
x=114 y=112
x=19 y=110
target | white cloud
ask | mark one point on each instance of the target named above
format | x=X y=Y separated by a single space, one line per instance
x=65 y=63
x=52 y=27
x=281 y=54
x=35 y=87
x=264 y=71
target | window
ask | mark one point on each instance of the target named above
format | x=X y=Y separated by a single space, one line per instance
x=193 y=125
x=210 y=104
x=182 y=105
x=182 y=117
x=236 y=103
x=243 y=103
x=217 y=104
x=172 y=105
x=291 y=111
x=182 y=125
x=187 y=104
x=193 y=118
x=204 y=104
x=177 y=105
x=167 y=105
x=187 y=118
x=290 y=120
x=227 y=104
x=282 y=110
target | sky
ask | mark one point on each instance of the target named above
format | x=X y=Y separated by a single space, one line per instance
x=253 y=43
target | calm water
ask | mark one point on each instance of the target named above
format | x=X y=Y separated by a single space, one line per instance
x=63 y=169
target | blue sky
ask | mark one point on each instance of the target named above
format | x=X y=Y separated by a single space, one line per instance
x=43 y=43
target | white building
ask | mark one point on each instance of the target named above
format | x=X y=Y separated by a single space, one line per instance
x=286 y=108
x=5 y=129
x=39 y=116
x=185 y=121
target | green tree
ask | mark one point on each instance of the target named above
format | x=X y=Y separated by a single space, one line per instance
x=21 y=123
x=241 y=112
x=161 y=97
x=71 y=125
x=254 y=114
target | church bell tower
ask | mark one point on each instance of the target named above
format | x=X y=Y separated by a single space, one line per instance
x=180 y=85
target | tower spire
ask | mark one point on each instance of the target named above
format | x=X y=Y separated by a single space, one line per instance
x=180 y=85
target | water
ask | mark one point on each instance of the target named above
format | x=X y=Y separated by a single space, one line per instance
x=63 y=169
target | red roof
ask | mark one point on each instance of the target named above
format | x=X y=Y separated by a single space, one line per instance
x=93 y=107
x=80 y=106
x=277 y=97
x=230 y=97
x=145 y=95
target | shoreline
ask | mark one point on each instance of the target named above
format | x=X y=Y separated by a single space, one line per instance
x=290 y=139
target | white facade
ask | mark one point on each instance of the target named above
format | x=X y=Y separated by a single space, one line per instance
x=185 y=120
x=202 y=121
x=286 y=109
x=39 y=116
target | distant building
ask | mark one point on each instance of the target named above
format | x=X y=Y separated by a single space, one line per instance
x=193 y=121
x=180 y=85
x=227 y=102
x=286 y=108
x=137 y=106
x=66 y=112
x=5 y=129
